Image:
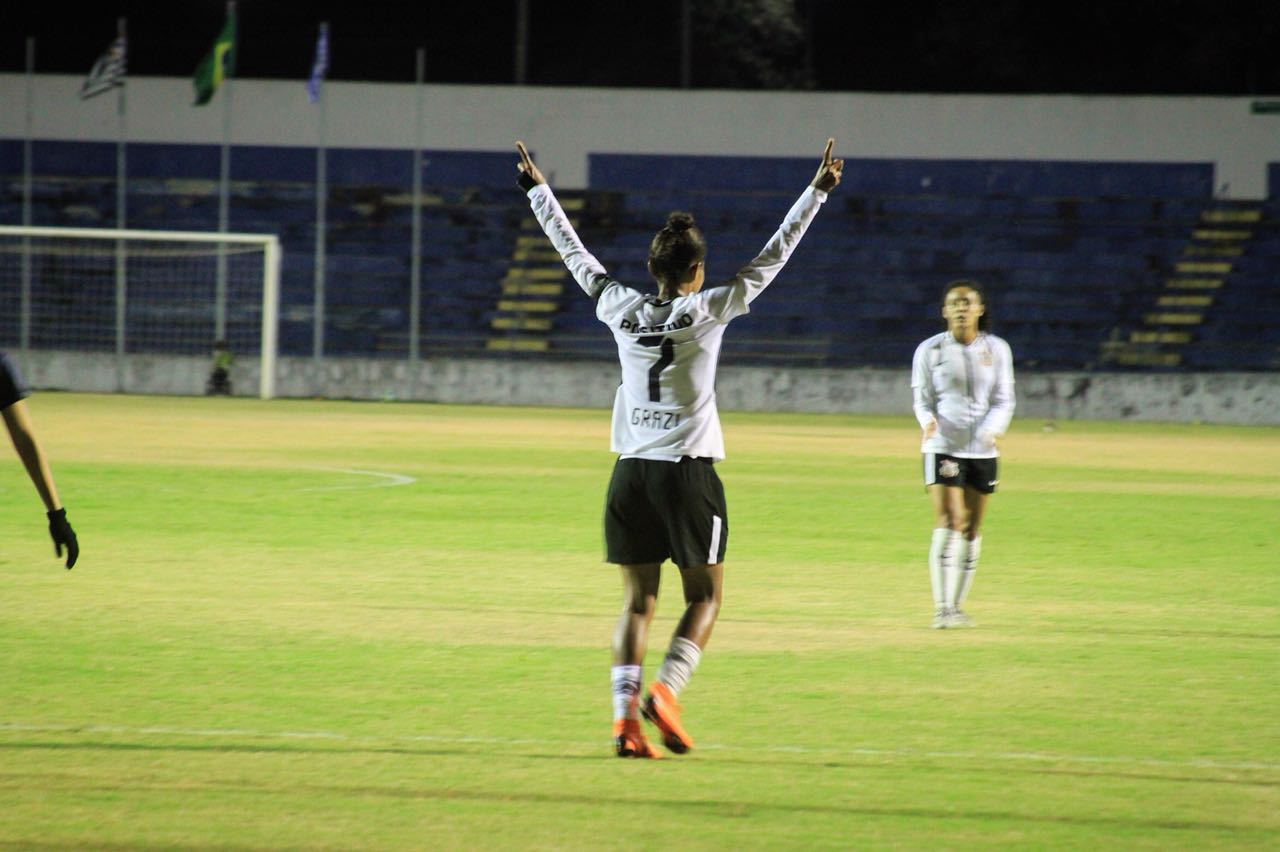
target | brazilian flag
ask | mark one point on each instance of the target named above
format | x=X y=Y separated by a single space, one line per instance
x=219 y=63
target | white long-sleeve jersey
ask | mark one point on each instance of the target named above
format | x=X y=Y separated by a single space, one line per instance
x=967 y=390
x=665 y=407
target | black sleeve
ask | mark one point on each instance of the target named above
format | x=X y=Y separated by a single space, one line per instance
x=12 y=388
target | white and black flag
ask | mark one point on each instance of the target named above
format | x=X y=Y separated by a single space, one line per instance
x=107 y=72
x=320 y=65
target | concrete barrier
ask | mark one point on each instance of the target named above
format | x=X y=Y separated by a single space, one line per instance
x=1238 y=398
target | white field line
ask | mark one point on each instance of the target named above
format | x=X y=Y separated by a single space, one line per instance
x=333 y=736
x=385 y=480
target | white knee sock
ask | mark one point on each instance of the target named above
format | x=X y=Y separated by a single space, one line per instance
x=953 y=556
x=677 y=667
x=626 y=686
x=936 y=546
x=970 y=568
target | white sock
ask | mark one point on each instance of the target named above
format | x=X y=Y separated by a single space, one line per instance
x=970 y=568
x=953 y=565
x=626 y=686
x=677 y=667
x=936 y=546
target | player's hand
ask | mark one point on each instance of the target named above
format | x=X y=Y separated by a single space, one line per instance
x=992 y=439
x=63 y=536
x=828 y=176
x=930 y=429
x=529 y=174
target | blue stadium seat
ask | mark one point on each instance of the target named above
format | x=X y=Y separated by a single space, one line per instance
x=1069 y=251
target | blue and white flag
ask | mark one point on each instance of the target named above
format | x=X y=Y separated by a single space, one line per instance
x=107 y=72
x=320 y=65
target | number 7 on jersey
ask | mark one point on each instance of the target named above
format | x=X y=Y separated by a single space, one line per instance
x=668 y=355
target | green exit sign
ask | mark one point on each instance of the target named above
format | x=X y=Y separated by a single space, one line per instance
x=1265 y=107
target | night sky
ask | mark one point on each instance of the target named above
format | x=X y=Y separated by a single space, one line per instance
x=1224 y=47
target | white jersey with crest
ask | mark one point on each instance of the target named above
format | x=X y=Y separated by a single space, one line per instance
x=665 y=407
x=967 y=390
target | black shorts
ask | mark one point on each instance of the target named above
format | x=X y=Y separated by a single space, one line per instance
x=982 y=475
x=12 y=388
x=658 y=510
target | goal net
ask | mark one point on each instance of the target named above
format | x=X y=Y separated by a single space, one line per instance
x=133 y=292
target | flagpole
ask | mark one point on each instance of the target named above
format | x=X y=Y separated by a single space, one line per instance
x=322 y=195
x=121 y=291
x=322 y=198
x=224 y=192
x=415 y=267
x=24 y=322
x=120 y=141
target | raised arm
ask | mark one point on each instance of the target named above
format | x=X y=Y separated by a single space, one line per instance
x=582 y=265
x=757 y=274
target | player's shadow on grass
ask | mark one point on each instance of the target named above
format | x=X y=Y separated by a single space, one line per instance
x=1003 y=769
x=709 y=755
x=239 y=748
x=723 y=807
x=726 y=806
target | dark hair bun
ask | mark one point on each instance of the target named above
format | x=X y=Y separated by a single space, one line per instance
x=679 y=221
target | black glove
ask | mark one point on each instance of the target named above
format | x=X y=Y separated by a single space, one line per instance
x=62 y=534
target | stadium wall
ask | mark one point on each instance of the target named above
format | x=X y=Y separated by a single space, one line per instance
x=1227 y=398
x=563 y=126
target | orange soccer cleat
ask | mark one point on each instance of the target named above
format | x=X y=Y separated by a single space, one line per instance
x=661 y=709
x=629 y=740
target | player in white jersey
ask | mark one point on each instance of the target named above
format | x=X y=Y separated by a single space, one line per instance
x=962 y=385
x=665 y=499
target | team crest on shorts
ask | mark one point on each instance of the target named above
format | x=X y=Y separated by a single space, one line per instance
x=949 y=469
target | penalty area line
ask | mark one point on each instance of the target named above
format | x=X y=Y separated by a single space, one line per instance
x=334 y=736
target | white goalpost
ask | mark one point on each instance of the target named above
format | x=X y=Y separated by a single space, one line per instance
x=141 y=292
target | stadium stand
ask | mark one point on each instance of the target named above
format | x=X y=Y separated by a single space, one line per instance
x=1237 y=298
x=1087 y=265
x=1069 y=252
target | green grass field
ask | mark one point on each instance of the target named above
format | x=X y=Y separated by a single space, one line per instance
x=322 y=625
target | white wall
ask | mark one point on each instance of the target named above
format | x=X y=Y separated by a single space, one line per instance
x=563 y=125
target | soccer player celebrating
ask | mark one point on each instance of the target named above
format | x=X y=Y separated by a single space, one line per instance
x=13 y=394
x=962 y=385
x=665 y=499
